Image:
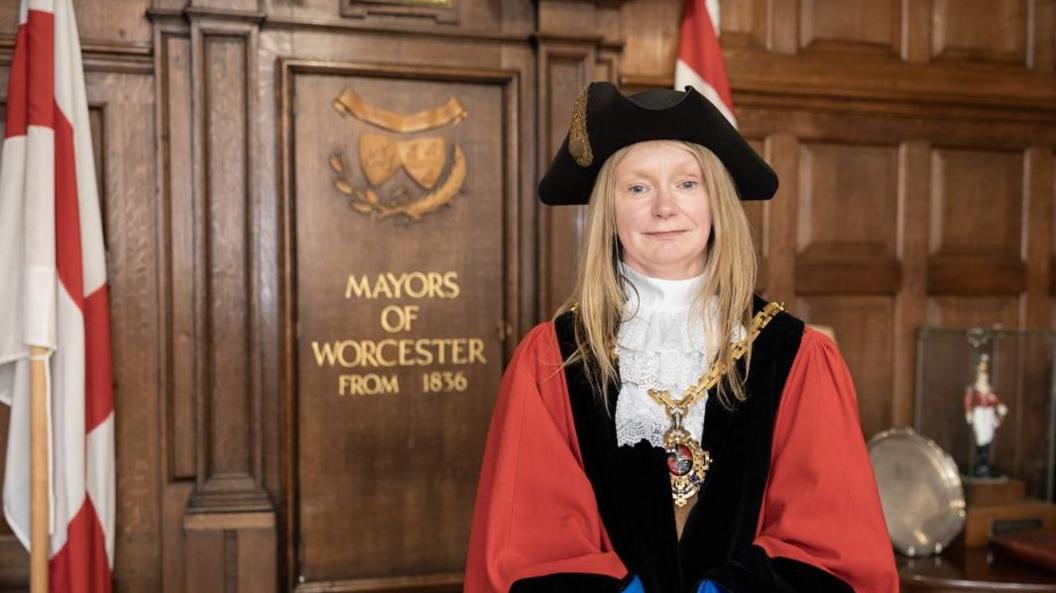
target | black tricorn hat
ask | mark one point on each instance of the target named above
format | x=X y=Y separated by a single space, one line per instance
x=604 y=121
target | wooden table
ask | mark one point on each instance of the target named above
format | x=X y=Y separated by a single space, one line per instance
x=980 y=570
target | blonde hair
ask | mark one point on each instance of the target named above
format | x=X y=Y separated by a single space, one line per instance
x=729 y=268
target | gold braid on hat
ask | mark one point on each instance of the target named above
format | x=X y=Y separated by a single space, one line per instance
x=578 y=140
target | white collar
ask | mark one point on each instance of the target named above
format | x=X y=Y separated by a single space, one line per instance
x=662 y=344
x=651 y=293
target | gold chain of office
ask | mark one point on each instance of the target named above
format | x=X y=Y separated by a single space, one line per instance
x=687 y=461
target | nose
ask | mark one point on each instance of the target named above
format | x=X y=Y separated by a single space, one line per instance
x=663 y=203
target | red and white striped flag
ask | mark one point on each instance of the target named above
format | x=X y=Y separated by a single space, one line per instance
x=53 y=294
x=700 y=56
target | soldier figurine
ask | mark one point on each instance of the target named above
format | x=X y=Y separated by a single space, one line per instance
x=984 y=411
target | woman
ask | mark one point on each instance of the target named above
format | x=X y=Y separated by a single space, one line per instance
x=668 y=431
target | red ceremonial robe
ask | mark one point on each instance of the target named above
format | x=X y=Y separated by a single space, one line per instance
x=809 y=519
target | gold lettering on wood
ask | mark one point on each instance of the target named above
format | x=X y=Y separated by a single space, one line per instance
x=370 y=384
x=391 y=352
x=415 y=285
x=370 y=355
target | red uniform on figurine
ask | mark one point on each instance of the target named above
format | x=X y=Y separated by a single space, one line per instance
x=984 y=411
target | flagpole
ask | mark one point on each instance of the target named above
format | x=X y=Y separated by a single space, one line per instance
x=38 y=446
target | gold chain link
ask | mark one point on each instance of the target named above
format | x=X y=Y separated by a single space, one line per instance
x=710 y=378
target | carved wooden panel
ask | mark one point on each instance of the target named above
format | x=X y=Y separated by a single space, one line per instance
x=910 y=302
x=743 y=22
x=126 y=143
x=846 y=244
x=178 y=272
x=607 y=65
x=972 y=311
x=916 y=32
x=862 y=325
x=653 y=48
x=980 y=30
x=782 y=152
x=176 y=307
x=564 y=73
x=427 y=17
x=782 y=27
x=227 y=416
x=858 y=25
x=976 y=222
x=400 y=293
x=441 y=11
x=226 y=257
x=234 y=552
x=847 y=198
x=232 y=6
x=1042 y=51
x=846 y=238
x=976 y=202
x=122 y=21
x=756 y=211
x=995 y=181
x=1039 y=196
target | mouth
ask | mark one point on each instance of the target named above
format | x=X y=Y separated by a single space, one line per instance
x=664 y=234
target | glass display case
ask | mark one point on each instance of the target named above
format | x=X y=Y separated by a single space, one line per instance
x=986 y=396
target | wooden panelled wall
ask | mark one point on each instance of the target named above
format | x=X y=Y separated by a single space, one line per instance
x=914 y=140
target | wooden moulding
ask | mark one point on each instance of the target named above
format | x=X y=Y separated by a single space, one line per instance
x=1004 y=492
x=981 y=520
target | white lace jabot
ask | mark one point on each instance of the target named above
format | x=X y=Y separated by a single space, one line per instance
x=662 y=344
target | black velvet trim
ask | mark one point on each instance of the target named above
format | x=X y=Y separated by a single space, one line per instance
x=568 y=582
x=632 y=488
x=752 y=571
x=804 y=577
x=630 y=483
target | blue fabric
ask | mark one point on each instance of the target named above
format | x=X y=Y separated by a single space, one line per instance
x=635 y=586
x=710 y=586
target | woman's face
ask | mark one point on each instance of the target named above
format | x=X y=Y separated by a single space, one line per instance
x=663 y=217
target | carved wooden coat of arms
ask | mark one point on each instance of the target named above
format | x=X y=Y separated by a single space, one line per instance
x=381 y=156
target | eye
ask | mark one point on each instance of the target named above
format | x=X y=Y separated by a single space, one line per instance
x=637 y=188
x=688 y=184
